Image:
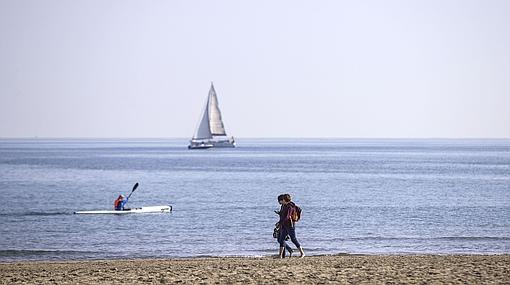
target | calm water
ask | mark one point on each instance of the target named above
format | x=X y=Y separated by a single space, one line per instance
x=358 y=196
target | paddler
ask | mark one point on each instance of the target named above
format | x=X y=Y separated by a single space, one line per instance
x=120 y=202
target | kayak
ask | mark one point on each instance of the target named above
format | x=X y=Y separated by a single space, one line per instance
x=142 y=210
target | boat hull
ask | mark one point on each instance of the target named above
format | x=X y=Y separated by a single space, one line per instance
x=211 y=144
x=142 y=210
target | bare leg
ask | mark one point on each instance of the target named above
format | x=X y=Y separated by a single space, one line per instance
x=281 y=251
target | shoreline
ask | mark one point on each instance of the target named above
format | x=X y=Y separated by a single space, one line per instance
x=410 y=269
x=269 y=256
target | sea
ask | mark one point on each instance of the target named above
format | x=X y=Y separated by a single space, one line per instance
x=358 y=196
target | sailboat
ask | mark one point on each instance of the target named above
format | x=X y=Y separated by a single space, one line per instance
x=210 y=131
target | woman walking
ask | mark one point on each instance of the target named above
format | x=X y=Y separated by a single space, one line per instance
x=287 y=225
x=278 y=229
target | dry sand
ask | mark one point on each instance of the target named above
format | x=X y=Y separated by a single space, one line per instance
x=427 y=269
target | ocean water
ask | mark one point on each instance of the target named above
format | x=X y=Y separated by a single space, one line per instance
x=358 y=197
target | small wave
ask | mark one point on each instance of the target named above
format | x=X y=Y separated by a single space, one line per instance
x=28 y=252
x=475 y=238
x=448 y=238
x=275 y=249
x=35 y=214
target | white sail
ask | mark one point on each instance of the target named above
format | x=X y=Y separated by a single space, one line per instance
x=215 y=122
x=203 y=129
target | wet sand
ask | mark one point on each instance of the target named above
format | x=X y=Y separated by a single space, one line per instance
x=353 y=269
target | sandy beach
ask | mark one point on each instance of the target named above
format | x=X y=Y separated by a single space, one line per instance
x=423 y=269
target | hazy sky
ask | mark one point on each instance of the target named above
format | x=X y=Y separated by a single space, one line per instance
x=281 y=68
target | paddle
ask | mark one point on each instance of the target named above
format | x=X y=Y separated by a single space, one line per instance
x=134 y=188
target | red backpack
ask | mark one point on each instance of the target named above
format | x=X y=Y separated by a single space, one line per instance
x=295 y=213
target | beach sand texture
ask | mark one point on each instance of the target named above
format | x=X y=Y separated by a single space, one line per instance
x=411 y=269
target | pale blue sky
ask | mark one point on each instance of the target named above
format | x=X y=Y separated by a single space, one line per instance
x=281 y=68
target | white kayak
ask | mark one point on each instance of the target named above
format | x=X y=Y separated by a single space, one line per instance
x=142 y=210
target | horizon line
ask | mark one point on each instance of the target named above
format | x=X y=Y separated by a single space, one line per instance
x=269 y=137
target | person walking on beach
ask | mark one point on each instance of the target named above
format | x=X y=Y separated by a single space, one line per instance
x=287 y=224
x=278 y=229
